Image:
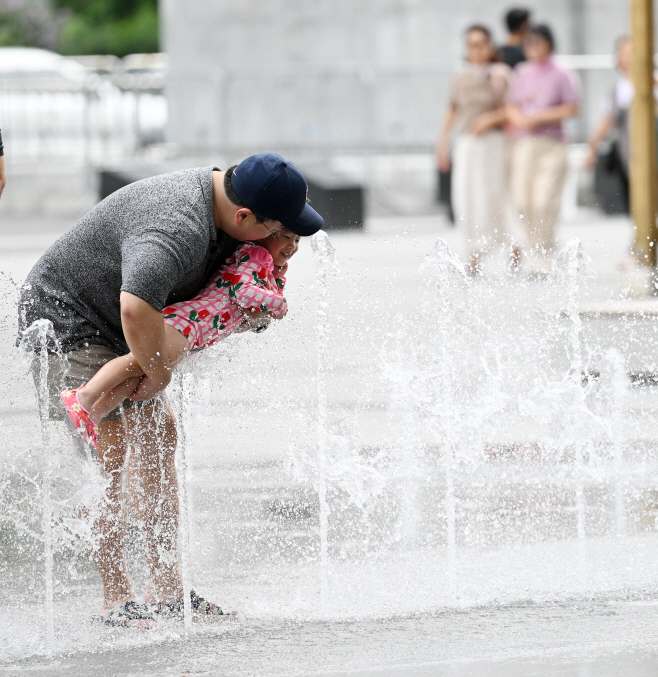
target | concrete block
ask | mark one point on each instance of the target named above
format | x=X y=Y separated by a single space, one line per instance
x=111 y=180
x=337 y=198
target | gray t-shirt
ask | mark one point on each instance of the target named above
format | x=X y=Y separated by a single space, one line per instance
x=154 y=238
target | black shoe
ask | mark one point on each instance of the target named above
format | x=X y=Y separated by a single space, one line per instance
x=200 y=607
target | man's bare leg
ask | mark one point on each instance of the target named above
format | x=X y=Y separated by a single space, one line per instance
x=110 y=528
x=152 y=493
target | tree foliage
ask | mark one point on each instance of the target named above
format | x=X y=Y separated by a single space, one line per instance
x=29 y=23
x=117 y=27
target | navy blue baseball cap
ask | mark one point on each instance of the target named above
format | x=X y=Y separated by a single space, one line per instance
x=274 y=188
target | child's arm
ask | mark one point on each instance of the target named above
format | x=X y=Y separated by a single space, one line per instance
x=250 y=291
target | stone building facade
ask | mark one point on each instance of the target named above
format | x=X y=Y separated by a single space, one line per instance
x=322 y=76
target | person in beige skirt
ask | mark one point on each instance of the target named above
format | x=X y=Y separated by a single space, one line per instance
x=476 y=115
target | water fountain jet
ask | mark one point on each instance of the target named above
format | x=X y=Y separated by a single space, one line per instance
x=326 y=266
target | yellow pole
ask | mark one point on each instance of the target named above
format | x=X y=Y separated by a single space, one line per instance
x=644 y=179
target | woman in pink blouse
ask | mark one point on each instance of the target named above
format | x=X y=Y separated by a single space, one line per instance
x=542 y=95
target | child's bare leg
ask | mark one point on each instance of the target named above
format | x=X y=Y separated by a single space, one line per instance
x=119 y=378
x=111 y=399
x=108 y=377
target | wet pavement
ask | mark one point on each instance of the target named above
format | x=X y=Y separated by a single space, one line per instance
x=581 y=638
x=383 y=617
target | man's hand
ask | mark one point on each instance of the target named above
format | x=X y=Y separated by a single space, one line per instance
x=143 y=327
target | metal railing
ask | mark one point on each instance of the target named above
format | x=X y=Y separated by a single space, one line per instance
x=90 y=119
x=104 y=117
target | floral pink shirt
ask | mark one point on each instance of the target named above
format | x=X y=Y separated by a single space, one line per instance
x=246 y=282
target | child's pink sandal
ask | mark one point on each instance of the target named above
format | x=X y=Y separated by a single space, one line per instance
x=80 y=417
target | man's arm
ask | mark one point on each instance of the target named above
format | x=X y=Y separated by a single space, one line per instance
x=143 y=328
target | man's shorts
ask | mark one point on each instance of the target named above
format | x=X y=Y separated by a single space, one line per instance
x=70 y=370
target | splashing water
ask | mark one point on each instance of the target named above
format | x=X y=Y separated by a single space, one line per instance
x=187 y=385
x=40 y=334
x=618 y=388
x=66 y=490
x=326 y=266
x=440 y=410
x=428 y=439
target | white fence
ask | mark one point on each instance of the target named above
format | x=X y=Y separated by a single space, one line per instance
x=88 y=120
x=99 y=118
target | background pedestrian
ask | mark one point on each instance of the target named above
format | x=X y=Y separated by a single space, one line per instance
x=542 y=96
x=3 y=174
x=476 y=115
x=518 y=24
x=614 y=124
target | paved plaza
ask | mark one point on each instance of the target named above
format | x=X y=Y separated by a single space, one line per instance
x=521 y=610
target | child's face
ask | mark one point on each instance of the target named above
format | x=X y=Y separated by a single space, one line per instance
x=282 y=247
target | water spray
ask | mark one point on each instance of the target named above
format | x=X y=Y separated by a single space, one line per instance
x=326 y=266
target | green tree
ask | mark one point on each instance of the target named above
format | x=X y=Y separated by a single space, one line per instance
x=116 y=27
x=29 y=23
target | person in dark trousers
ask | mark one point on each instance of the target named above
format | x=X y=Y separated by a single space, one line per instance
x=518 y=24
x=3 y=175
x=614 y=123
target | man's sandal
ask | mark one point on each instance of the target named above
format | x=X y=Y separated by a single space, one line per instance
x=201 y=608
x=130 y=614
